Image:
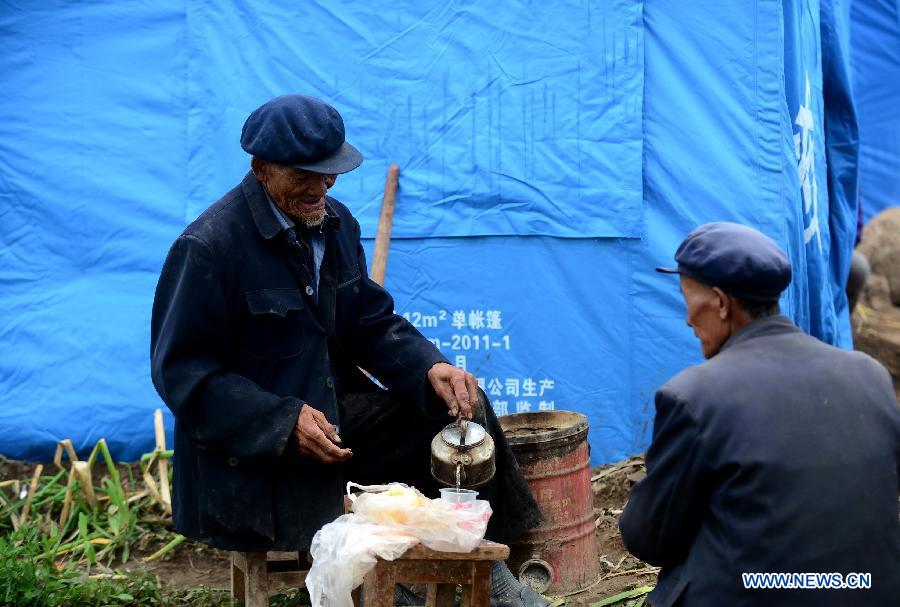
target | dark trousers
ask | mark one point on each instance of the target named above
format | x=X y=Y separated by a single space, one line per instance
x=391 y=442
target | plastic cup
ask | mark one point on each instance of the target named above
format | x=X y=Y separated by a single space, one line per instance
x=458 y=496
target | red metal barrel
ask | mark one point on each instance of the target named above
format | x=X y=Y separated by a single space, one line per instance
x=559 y=556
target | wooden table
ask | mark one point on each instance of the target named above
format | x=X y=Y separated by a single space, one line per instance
x=440 y=571
x=255 y=574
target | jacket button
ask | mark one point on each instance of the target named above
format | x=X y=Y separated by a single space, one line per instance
x=355 y=289
x=232 y=461
x=309 y=290
x=329 y=382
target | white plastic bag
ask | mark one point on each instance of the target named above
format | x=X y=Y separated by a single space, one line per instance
x=344 y=552
x=440 y=525
x=386 y=521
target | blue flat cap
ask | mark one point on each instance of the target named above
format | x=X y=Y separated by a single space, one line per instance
x=739 y=260
x=301 y=132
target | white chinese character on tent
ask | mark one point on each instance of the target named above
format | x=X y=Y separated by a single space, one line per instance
x=459 y=319
x=512 y=387
x=804 y=146
x=460 y=362
x=476 y=319
x=493 y=320
x=546 y=405
x=501 y=407
x=547 y=384
x=523 y=406
x=495 y=388
x=481 y=383
x=529 y=387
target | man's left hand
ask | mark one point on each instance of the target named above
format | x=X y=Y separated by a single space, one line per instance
x=458 y=388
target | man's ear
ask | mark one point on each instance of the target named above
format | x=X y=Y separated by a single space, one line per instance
x=724 y=303
x=259 y=168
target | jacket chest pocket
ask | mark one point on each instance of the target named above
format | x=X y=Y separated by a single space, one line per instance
x=276 y=324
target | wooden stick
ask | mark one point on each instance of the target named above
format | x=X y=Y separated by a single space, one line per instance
x=615 y=468
x=67 y=500
x=148 y=478
x=162 y=463
x=66 y=445
x=86 y=479
x=385 y=222
x=644 y=571
x=70 y=450
x=12 y=515
x=137 y=495
x=32 y=489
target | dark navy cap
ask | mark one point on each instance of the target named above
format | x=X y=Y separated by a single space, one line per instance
x=739 y=260
x=301 y=132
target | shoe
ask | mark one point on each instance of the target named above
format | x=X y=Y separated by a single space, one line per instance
x=506 y=591
x=404 y=597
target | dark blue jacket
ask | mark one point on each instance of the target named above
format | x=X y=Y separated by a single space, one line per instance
x=779 y=454
x=238 y=344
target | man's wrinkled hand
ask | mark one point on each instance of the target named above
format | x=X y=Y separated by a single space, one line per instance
x=317 y=438
x=458 y=388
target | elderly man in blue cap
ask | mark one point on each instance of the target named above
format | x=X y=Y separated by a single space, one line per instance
x=778 y=455
x=262 y=317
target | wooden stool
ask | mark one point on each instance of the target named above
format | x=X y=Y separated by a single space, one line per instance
x=254 y=574
x=441 y=571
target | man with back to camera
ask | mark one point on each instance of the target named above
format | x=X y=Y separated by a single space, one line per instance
x=780 y=454
x=262 y=315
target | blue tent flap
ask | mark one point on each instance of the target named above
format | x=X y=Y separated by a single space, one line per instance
x=551 y=156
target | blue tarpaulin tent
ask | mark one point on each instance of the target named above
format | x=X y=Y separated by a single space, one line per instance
x=875 y=62
x=551 y=155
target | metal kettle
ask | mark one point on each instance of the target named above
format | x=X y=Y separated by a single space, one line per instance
x=462 y=454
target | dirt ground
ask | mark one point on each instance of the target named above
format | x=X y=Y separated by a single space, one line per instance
x=619 y=571
x=193 y=565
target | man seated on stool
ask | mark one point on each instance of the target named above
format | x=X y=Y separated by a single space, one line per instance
x=262 y=314
x=779 y=454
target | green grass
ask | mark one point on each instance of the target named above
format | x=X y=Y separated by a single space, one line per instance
x=56 y=558
x=122 y=519
x=30 y=577
x=636 y=597
x=58 y=546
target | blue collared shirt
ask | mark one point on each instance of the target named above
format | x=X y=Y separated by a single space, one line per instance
x=317 y=242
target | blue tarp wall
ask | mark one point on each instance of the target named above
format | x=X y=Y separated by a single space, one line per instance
x=875 y=63
x=551 y=154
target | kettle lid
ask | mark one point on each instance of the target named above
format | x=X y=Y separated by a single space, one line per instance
x=452 y=434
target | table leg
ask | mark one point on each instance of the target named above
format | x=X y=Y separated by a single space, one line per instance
x=379 y=586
